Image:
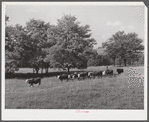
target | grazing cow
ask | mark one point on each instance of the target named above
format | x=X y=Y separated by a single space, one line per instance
x=109 y=72
x=90 y=74
x=33 y=81
x=98 y=74
x=71 y=77
x=74 y=76
x=82 y=75
x=120 y=71
x=85 y=74
x=63 y=77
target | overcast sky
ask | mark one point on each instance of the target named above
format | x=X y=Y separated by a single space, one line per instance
x=103 y=20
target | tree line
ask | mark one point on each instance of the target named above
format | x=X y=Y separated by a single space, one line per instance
x=66 y=45
x=41 y=45
x=121 y=49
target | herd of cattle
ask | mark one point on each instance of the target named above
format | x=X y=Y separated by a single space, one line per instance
x=89 y=75
x=79 y=76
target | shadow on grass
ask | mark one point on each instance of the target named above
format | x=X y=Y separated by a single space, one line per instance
x=34 y=75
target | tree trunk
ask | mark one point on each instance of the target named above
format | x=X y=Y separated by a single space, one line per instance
x=68 y=70
x=42 y=70
x=137 y=63
x=124 y=62
x=46 y=70
x=114 y=61
x=37 y=71
x=107 y=68
x=132 y=63
x=33 y=70
x=120 y=62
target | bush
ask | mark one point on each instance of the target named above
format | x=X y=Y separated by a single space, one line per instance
x=10 y=69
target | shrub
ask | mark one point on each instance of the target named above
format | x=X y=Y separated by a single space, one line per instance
x=10 y=69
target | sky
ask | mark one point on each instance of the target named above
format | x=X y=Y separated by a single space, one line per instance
x=104 y=20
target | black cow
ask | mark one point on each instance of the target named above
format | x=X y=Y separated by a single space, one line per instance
x=108 y=72
x=94 y=74
x=99 y=73
x=33 y=81
x=63 y=77
x=120 y=71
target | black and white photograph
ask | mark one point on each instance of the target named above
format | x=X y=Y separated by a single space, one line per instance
x=74 y=61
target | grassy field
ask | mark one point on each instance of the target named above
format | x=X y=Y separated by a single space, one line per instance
x=125 y=91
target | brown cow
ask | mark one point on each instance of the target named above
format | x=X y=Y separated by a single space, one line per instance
x=33 y=81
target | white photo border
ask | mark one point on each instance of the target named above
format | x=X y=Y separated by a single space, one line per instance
x=71 y=114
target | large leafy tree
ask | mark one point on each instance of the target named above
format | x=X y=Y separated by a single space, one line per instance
x=124 y=46
x=73 y=44
x=9 y=66
x=12 y=50
x=17 y=47
x=37 y=31
x=41 y=45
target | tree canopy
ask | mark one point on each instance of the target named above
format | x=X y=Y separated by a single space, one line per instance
x=66 y=45
x=124 y=46
x=73 y=44
x=42 y=45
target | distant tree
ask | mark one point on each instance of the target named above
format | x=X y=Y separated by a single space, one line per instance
x=141 y=59
x=119 y=61
x=93 y=60
x=6 y=19
x=124 y=46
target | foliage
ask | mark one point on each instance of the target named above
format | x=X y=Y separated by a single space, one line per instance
x=141 y=59
x=66 y=45
x=38 y=37
x=124 y=46
x=73 y=46
x=41 y=45
x=99 y=60
x=10 y=68
x=12 y=55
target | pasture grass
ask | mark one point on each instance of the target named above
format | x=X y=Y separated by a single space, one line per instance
x=119 y=92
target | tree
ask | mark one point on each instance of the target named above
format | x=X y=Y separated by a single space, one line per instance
x=73 y=44
x=124 y=46
x=6 y=19
x=141 y=59
x=37 y=31
x=41 y=45
x=111 y=50
x=11 y=51
x=20 y=46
